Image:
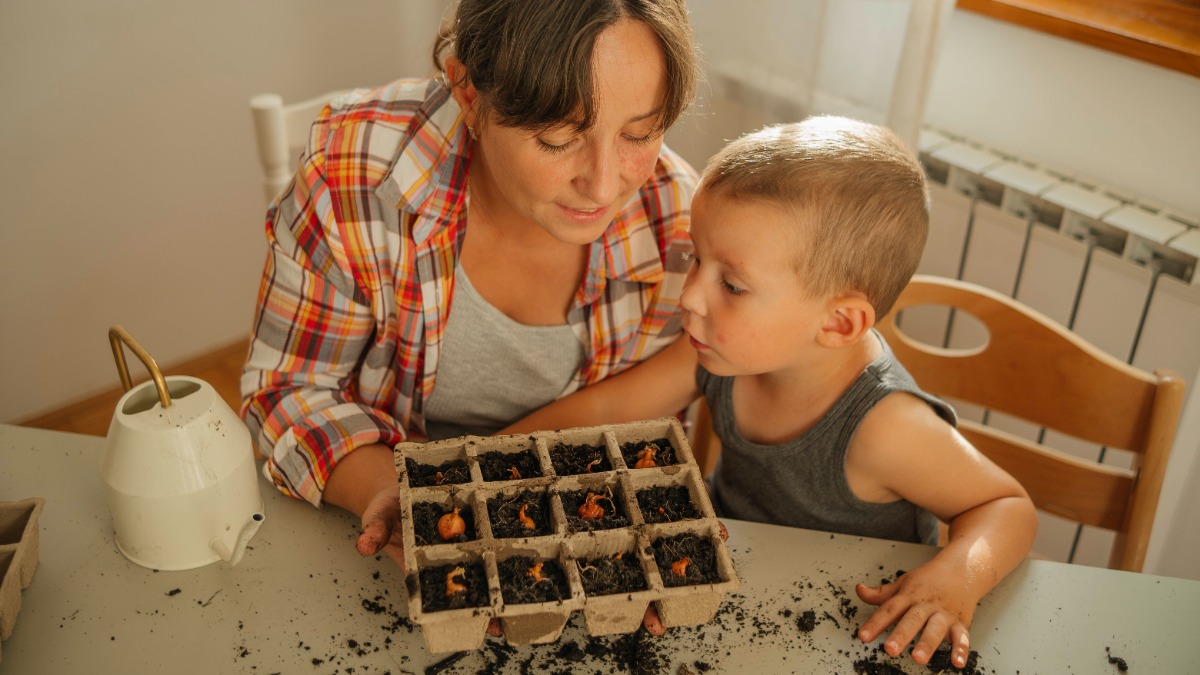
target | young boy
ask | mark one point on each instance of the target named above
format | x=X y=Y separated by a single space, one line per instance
x=804 y=235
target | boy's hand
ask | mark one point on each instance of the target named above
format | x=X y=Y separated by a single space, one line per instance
x=925 y=599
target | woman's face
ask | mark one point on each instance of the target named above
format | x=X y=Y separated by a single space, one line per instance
x=570 y=184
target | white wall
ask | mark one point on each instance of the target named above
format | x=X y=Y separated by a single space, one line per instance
x=128 y=179
x=1088 y=112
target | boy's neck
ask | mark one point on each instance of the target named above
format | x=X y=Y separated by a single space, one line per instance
x=779 y=406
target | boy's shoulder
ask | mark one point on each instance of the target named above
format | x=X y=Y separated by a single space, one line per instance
x=899 y=432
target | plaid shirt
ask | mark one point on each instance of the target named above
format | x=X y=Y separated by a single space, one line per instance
x=359 y=278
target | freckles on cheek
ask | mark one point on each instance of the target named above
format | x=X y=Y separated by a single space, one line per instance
x=639 y=164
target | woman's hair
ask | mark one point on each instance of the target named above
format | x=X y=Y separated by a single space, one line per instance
x=857 y=192
x=531 y=60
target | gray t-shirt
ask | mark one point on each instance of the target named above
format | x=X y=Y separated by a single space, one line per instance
x=493 y=370
x=802 y=483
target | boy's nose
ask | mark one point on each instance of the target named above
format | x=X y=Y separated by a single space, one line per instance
x=691 y=299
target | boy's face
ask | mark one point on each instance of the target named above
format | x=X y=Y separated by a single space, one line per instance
x=744 y=307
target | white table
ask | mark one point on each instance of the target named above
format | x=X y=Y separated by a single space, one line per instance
x=302 y=600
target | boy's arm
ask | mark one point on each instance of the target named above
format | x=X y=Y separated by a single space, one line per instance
x=661 y=385
x=904 y=450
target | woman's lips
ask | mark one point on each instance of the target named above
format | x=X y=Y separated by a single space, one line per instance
x=697 y=345
x=584 y=215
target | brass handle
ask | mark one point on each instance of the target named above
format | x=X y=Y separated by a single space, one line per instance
x=117 y=335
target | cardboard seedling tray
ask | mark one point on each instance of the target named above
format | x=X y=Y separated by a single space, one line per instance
x=562 y=541
x=18 y=556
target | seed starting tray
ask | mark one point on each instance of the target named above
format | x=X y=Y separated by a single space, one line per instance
x=567 y=549
x=18 y=556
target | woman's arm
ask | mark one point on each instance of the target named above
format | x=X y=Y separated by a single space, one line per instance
x=662 y=385
x=312 y=326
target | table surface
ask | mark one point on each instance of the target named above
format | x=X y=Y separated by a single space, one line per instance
x=303 y=601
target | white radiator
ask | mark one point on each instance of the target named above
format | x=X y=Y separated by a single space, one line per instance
x=1119 y=272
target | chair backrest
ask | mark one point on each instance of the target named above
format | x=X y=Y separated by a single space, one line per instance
x=1035 y=369
x=281 y=131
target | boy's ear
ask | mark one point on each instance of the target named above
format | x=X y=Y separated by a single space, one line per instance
x=848 y=320
x=462 y=89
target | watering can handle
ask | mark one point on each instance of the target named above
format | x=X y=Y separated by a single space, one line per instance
x=117 y=335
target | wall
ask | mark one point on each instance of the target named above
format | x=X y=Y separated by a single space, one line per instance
x=129 y=179
x=1085 y=111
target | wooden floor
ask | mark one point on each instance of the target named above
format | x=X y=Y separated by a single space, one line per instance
x=221 y=368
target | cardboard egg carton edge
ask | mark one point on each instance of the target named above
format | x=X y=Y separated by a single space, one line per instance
x=19 y=538
x=537 y=623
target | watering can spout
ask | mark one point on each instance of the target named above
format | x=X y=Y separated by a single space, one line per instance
x=234 y=556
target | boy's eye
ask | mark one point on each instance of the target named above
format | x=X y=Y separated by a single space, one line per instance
x=731 y=289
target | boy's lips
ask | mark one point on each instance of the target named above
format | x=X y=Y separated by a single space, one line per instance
x=697 y=345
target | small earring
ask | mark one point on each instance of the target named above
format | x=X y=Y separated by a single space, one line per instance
x=471 y=131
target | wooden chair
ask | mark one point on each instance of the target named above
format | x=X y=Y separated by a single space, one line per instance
x=1037 y=370
x=281 y=131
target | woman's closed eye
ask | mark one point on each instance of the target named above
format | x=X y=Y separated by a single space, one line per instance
x=641 y=140
x=555 y=148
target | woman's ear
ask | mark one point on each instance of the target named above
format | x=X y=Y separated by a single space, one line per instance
x=849 y=319
x=462 y=89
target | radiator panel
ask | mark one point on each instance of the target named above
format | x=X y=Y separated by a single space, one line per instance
x=1120 y=273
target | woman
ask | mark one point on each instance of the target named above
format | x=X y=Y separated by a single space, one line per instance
x=455 y=253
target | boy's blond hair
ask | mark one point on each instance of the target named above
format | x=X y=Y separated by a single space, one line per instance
x=858 y=193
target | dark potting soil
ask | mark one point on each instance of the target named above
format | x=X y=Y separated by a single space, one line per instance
x=687 y=553
x=440 y=587
x=447 y=473
x=807 y=621
x=870 y=667
x=610 y=512
x=666 y=504
x=940 y=662
x=524 y=580
x=663 y=452
x=496 y=465
x=506 y=513
x=1117 y=661
x=425 y=522
x=608 y=575
x=572 y=460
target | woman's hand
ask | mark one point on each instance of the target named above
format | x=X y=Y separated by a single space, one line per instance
x=381 y=526
x=364 y=483
x=926 y=601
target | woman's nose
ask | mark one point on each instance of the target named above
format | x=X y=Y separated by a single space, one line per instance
x=599 y=177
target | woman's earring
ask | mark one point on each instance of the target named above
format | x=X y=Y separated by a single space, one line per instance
x=471 y=131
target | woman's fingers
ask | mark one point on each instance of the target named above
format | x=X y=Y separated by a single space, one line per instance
x=652 y=623
x=373 y=537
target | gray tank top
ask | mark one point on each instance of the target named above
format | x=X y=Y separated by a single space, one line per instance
x=492 y=370
x=802 y=483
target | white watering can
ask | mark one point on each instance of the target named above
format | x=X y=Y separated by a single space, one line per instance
x=179 y=471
